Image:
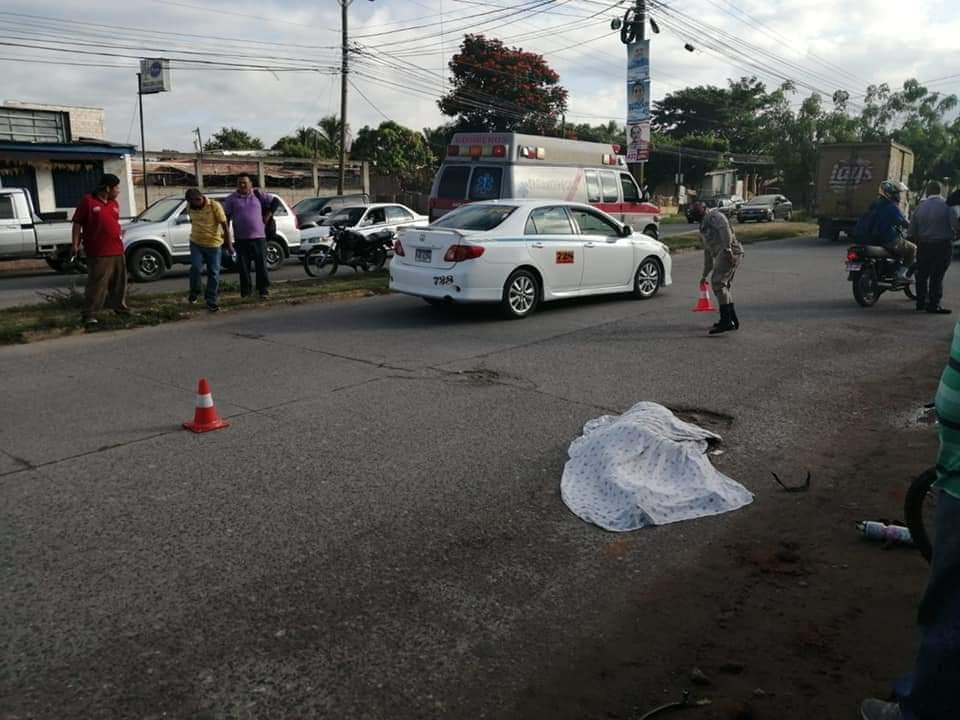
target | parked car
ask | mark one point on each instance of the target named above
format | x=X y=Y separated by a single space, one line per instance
x=365 y=219
x=159 y=237
x=766 y=208
x=520 y=252
x=311 y=211
x=727 y=204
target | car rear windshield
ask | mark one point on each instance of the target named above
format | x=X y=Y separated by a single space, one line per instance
x=475 y=217
x=309 y=205
x=453 y=182
x=485 y=184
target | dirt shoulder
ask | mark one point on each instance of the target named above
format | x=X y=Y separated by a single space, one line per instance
x=60 y=314
x=793 y=616
x=746 y=234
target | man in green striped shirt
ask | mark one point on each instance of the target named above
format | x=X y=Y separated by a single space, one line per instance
x=933 y=691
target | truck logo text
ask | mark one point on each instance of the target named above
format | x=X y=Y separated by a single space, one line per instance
x=848 y=175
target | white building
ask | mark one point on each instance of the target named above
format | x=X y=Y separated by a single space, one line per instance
x=42 y=151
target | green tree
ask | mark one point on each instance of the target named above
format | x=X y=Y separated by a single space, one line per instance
x=694 y=155
x=919 y=119
x=438 y=139
x=306 y=142
x=231 y=138
x=328 y=128
x=395 y=151
x=737 y=113
x=613 y=133
x=495 y=89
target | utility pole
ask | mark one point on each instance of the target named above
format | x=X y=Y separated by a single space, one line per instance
x=679 y=175
x=344 y=69
x=143 y=143
x=199 y=173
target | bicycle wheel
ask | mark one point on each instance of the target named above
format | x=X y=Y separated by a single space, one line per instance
x=920 y=510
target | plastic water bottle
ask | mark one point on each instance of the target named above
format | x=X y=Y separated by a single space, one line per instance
x=873 y=530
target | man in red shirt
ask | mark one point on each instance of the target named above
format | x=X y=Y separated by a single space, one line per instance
x=96 y=225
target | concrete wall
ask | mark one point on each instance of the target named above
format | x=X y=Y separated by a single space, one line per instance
x=290 y=195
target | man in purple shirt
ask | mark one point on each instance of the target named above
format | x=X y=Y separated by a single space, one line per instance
x=251 y=213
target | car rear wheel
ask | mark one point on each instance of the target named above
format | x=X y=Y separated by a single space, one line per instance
x=275 y=254
x=147 y=264
x=647 y=280
x=521 y=294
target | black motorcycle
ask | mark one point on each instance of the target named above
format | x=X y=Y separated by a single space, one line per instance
x=350 y=248
x=872 y=270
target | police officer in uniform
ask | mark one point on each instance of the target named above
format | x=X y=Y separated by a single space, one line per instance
x=722 y=253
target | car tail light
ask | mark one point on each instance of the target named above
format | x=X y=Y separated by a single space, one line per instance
x=398 y=249
x=459 y=253
x=852 y=254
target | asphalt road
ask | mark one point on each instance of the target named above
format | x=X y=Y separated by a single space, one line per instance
x=379 y=534
x=27 y=287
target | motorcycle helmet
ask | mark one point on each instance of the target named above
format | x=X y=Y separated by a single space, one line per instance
x=892 y=189
x=697 y=211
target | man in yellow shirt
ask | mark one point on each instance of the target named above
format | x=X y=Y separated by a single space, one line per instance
x=209 y=233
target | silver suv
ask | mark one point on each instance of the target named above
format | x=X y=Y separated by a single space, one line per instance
x=159 y=237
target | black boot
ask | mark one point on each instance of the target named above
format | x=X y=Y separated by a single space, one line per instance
x=733 y=317
x=725 y=324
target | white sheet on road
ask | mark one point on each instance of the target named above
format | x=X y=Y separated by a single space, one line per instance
x=645 y=467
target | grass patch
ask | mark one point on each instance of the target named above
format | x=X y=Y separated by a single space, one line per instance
x=746 y=234
x=59 y=313
x=674 y=220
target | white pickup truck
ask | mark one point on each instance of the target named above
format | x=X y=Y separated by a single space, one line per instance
x=24 y=236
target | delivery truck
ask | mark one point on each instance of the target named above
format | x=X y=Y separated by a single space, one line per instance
x=848 y=178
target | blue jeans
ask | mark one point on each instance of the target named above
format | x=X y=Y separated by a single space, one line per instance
x=200 y=256
x=932 y=692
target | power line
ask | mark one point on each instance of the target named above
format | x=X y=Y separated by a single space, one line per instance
x=244 y=66
x=111 y=31
x=369 y=101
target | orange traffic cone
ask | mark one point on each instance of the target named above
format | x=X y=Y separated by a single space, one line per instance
x=205 y=417
x=704 y=304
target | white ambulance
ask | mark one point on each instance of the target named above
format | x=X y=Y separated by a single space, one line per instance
x=494 y=166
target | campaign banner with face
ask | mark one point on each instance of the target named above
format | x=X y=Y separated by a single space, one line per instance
x=638 y=82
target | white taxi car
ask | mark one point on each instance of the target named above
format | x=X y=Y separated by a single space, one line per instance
x=364 y=219
x=521 y=252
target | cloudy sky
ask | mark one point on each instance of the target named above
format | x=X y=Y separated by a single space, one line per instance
x=269 y=66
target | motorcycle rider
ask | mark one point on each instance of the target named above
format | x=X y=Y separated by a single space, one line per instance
x=883 y=225
x=722 y=253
